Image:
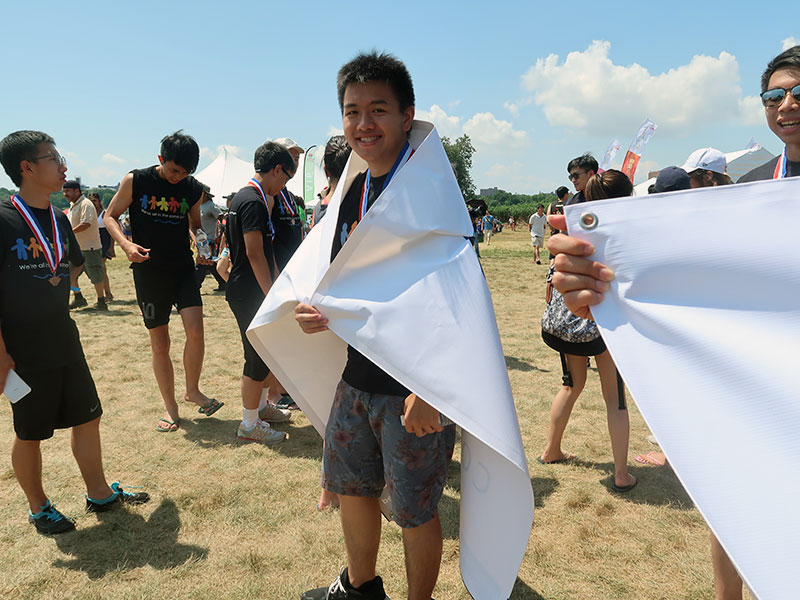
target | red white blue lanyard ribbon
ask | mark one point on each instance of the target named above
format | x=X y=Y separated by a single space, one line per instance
x=25 y=211
x=405 y=154
x=254 y=182
x=780 y=168
x=290 y=208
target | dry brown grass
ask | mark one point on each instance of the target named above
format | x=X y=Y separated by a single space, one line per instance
x=237 y=521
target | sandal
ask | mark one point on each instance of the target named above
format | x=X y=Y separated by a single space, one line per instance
x=171 y=425
x=209 y=409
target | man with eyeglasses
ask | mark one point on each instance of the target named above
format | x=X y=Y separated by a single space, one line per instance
x=249 y=232
x=163 y=201
x=580 y=169
x=780 y=95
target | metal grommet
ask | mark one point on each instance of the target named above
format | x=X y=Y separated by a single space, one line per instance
x=588 y=221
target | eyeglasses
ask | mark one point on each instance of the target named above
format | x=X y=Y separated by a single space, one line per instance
x=285 y=172
x=58 y=158
x=574 y=176
x=774 y=98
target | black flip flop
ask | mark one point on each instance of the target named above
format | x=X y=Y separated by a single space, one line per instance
x=209 y=409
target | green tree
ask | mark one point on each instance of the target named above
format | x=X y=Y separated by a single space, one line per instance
x=460 y=154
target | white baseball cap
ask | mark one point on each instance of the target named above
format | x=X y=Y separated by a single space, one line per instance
x=709 y=159
x=289 y=143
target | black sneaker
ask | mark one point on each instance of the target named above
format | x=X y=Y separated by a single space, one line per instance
x=118 y=495
x=101 y=305
x=78 y=301
x=50 y=521
x=341 y=589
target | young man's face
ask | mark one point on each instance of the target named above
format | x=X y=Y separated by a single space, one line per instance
x=784 y=119
x=539 y=211
x=72 y=195
x=47 y=170
x=374 y=125
x=275 y=180
x=579 y=177
x=172 y=172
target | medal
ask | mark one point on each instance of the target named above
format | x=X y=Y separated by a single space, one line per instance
x=780 y=168
x=288 y=206
x=254 y=182
x=53 y=254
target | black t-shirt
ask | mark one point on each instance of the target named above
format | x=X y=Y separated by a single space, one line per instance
x=288 y=228
x=159 y=215
x=34 y=315
x=360 y=372
x=767 y=170
x=247 y=213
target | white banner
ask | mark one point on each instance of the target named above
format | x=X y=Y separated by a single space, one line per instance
x=407 y=291
x=703 y=321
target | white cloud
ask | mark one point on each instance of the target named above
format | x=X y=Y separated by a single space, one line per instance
x=453 y=104
x=104 y=175
x=110 y=158
x=512 y=108
x=74 y=160
x=334 y=130
x=790 y=42
x=498 y=170
x=485 y=130
x=588 y=93
x=205 y=152
x=446 y=125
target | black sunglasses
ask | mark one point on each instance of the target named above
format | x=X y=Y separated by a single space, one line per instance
x=574 y=176
x=774 y=98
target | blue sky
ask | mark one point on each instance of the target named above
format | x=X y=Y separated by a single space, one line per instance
x=534 y=84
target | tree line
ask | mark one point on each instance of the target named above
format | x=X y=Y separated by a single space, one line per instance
x=62 y=203
x=504 y=204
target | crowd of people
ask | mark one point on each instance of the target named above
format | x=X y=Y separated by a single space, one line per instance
x=167 y=210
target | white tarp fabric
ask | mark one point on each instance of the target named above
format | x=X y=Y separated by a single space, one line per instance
x=407 y=291
x=705 y=330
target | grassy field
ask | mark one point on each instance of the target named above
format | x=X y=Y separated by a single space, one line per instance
x=230 y=520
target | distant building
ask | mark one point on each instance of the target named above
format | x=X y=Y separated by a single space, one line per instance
x=489 y=191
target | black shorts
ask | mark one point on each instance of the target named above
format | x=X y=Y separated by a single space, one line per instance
x=160 y=287
x=592 y=348
x=244 y=309
x=60 y=397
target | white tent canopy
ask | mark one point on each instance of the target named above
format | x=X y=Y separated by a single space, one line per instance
x=228 y=173
x=739 y=163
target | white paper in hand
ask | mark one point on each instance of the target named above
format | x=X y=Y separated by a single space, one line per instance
x=703 y=322
x=16 y=389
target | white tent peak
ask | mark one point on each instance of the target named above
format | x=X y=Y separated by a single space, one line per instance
x=226 y=174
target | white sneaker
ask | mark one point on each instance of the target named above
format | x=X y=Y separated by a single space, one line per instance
x=273 y=414
x=261 y=432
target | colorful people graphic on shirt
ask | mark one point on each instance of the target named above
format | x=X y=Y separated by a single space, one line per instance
x=153 y=202
x=163 y=204
x=21 y=249
x=144 y=202
x=174 y=205
x=184 y=206
x=34 y=247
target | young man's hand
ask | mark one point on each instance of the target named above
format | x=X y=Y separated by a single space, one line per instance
x=6 y=364
x=420 y=417
x=309 y=319
x=135 y=252
x=580 y=280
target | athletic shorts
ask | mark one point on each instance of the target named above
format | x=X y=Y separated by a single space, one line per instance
x=537 y=241
x=93 y=265
x=366 y=448
x=160 y=287
x=60 y=397
x=244 y=310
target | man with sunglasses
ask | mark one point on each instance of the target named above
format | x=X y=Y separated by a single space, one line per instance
x=583 y=281
x=580 y=169
x=163 y=201
x=780 y=95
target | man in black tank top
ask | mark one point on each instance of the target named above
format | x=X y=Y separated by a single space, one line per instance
x=163 y=202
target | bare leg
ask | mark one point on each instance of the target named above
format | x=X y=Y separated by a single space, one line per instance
x=361 y=524
x=162 y=369
x=106 y=284
x=99 y=289
x=727 y=583
x=251 y=392
x=74 y=273
x=193 y=353
x=423 y=549
x=562 y=407
x=536 y=253
x=26 y=458
x=87 y=453
x=275 y=388
x=618 y=423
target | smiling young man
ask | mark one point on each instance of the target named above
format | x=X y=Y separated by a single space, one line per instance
x=39 y=339
x=580 y=169
x=249 y=234
x=583 y=281
x=163 y=202
x=376 y=96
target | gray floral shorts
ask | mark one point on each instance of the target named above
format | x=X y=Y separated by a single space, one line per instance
x=366 y=448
